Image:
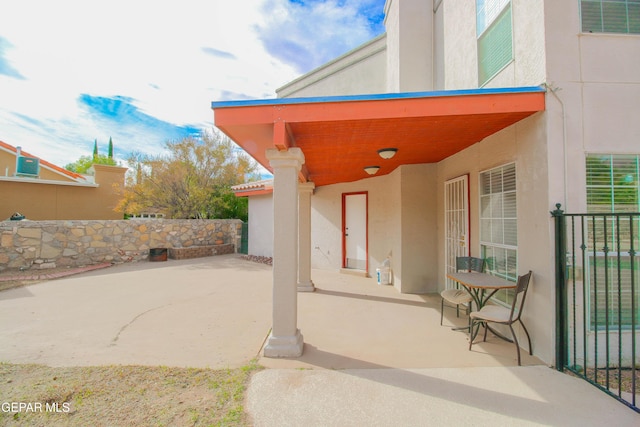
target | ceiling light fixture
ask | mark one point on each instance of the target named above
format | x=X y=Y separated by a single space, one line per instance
x=371 y=170
x=387 y=153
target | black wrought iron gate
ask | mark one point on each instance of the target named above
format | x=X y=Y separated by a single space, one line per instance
x=244 y=239
x=598 y=300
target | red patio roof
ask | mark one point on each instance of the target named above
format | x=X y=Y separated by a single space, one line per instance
x=339 y=136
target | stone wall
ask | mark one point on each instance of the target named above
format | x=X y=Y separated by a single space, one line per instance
x=201 y=251
x=49 y=244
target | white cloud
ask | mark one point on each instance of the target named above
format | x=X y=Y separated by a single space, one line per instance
x=170 y=59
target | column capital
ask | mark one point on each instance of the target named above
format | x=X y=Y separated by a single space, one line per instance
x=306 y=187
x=291 y=158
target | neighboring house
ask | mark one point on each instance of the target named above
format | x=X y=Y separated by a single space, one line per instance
x=495 y=108
x=40 y=190
x=260 y=218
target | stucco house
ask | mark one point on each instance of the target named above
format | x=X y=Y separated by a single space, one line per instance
x=487 y=113
x=40 y=190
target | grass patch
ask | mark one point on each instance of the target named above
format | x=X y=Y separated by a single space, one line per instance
x=124 y=395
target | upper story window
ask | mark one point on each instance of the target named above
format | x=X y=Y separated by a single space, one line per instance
x=610 y=16
x=495 y=37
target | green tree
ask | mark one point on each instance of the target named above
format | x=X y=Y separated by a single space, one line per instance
x=110 y=148
x=192 y=181
x=83 y=164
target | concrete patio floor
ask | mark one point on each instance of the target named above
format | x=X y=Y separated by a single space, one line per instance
x=351 y=322
x=372 y=356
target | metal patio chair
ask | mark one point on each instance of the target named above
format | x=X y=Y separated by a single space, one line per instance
x=492 y=313
x=458 y=296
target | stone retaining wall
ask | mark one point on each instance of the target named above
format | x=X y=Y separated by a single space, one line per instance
x=201 y=251
x=48 y=244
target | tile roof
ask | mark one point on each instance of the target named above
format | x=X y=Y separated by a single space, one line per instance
x=72 y=175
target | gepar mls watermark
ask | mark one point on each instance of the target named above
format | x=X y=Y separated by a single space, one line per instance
x=28 y=407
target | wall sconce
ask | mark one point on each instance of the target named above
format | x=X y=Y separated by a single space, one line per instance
x=371 y=170
x=387 y=153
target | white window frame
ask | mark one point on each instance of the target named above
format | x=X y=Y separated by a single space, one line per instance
x=494 y=211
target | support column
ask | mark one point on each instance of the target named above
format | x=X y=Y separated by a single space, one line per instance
x=285 y=339
x=305 y=190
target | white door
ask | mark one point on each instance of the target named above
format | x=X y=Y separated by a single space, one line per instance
x=355 y=231
x=456 y=222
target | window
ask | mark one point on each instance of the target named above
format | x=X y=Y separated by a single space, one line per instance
x=612 y=183
x=495 y=37
x=613 y=272
x=499 y=224
x=610 y=16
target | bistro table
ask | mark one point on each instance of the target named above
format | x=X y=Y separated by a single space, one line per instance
x=481 y=287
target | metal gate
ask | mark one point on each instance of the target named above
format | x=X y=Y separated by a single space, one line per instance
x=244 y=239
x=598 y=300
x=456 y=223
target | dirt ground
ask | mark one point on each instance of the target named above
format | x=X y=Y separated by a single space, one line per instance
x=35 y=395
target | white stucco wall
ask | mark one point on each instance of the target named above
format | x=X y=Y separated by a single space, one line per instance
x=595 y=99
x=402 y=221
x=383 y=217
x=460 y=50
x=261 y=225
x=524 y=144
x=409 y=25
x=419 y=228
x=459 y=38
x=361 y=71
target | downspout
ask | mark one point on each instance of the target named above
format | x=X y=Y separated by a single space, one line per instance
x=553 y=91
x=434 y=67
x=560 y=250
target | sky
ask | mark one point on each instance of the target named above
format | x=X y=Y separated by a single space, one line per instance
x=144 y=72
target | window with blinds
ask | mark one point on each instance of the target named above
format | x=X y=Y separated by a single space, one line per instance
x=494 y=29
x=612 y=183
x=612 y=272
x=499 y=223
x=610 y=16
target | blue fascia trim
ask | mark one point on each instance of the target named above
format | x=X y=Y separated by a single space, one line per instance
x=377 y=97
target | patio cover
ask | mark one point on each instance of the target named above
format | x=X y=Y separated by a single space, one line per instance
x=340 y=135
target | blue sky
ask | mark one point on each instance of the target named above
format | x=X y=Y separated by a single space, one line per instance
x=143 y=72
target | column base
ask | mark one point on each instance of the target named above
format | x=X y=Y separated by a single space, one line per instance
x=306 y=287
x=289 y=346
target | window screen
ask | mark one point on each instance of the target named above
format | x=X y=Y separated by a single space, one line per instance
x=610 y=16
x=495 y=37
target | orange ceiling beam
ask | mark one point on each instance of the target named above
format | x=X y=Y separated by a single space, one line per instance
x=340 y=135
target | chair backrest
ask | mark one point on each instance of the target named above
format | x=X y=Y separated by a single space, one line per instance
x=521 y=293
x=468 y=263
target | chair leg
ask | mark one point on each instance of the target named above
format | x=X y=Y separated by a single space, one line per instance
x=472 y=334
x=486 y=328
x=528 y=337
x=515 y=341
x=457 y=310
